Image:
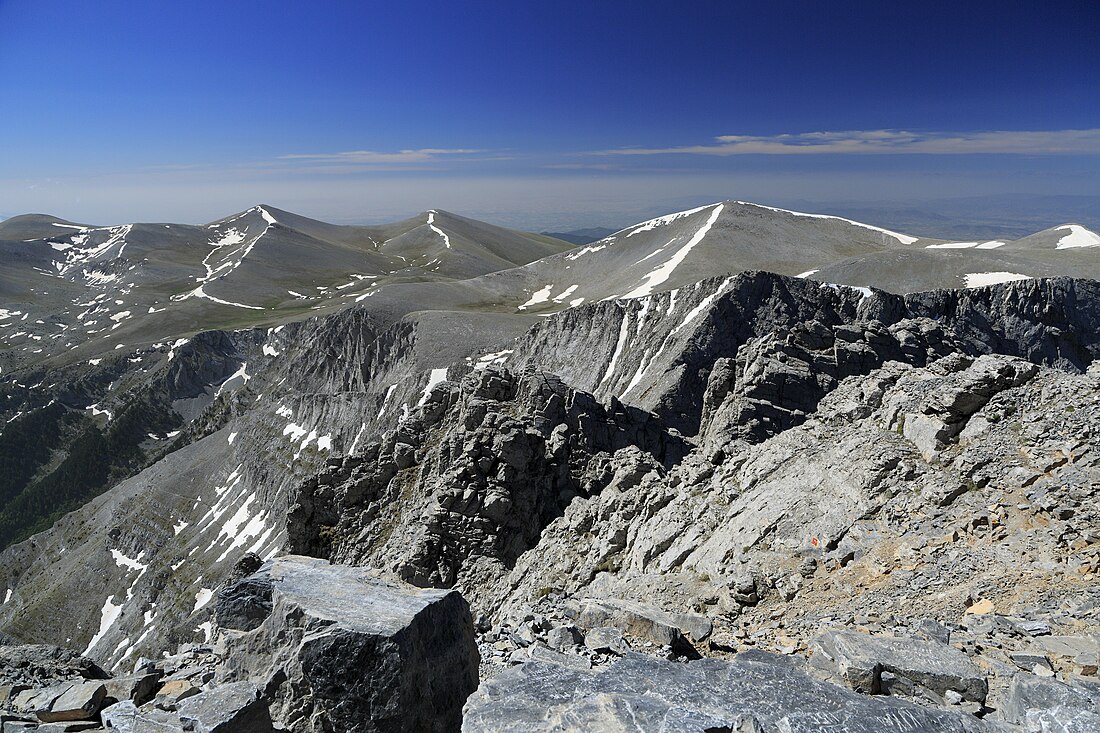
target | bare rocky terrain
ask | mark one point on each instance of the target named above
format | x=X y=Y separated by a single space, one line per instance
x=635 y=485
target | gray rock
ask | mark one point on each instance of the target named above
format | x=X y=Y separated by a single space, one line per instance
x=643 y=621
x=606 y=639
x=41 y=665
x=80 y=701
x=232 y=708
x=138 y=688
x=243 y=605
x=754 y=691
x=333 y=626
x=125 y=717
x=564 y=637
x=1049 y=705
x=861 y=661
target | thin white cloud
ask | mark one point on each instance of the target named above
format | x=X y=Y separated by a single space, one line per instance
x=360 y=157
x=1012 y=142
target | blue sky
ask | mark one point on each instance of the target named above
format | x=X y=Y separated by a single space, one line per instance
x=539 y=113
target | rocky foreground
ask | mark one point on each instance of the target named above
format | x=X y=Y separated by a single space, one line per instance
x=305 y=645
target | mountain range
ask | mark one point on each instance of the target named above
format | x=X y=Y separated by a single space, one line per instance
x=735 y=414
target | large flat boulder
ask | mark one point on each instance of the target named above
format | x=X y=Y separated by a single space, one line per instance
x=76 y=701
x=341 y=650
x=639 y=693
x=233 y=708
x=860 y=661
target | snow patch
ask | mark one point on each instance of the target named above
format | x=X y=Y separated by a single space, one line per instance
x=979 y=279
x=107 y=618
x=540 y=296
x=437 y=376
x=703 y=305
x=565 y=293
x=295 y=431
x=624 y=331
x=498 y=357
x=125 y=562
x=1078 y=237
x=202 y=598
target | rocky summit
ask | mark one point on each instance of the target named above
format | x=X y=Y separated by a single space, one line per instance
x=733 y=469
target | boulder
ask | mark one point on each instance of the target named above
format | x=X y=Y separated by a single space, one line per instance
x=232 y=708
x=172 y=692
x=342 y=650
x=78 y=701
x=1045 y=704
x=606 y=639
x=755 y=691
x=564 y=637
x=860 y=660
x=136 y=687
x=642 y=621
x=125 y=717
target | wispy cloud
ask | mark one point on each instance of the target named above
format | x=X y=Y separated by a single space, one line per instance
x=367 y=157
x=1013 y=142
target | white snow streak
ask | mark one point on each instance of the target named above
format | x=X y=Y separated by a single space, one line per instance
x=662 y=273
x=646 y=226
x=903 y=238
x=437 y=230
x=202 y=598
x=703 y=304
x=386 y=399
x=967 y=245
x=624 y=334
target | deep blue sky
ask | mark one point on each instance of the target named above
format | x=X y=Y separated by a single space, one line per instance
x=119 y=110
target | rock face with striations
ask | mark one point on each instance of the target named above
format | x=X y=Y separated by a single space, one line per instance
x=754 y=692
x=341 y=650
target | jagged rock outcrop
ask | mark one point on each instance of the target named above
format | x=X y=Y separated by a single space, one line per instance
x=462 y=489
x=340 y=650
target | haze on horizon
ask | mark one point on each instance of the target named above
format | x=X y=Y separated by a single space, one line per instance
x=553 y=115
